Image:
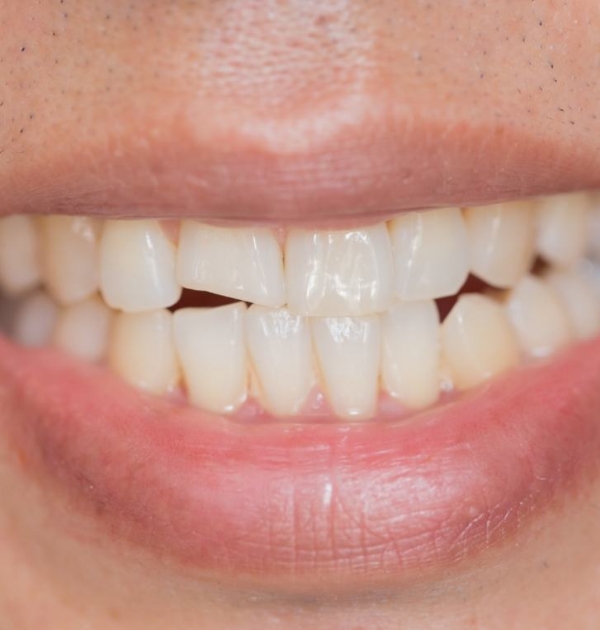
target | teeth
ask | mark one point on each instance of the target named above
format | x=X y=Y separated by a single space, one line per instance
x=244 y=263
x=501 y=242
x=348 y=351
x=478 y=342
x=82 y=330
x=212 y=350
x=411 y=353
x=562 y=228
x=334 y=273
x=34 y=320
x=19 y=254
x=538 y=316
x=431 y=254
x=137 y=266
x=280 y=349
x=70 y=257
x=141 y=350
x=594 y=228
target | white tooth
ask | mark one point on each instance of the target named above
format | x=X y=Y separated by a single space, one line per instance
x=594 y=227
x=82 y=329
x=590 y=270
x=19 y=254
x=349 y=352
x=501 y=241
x=137 y=266
x=212 y=350
x=337 y=273
x=70 y=257
x=34 y=320
x=241 y=263
x=562 y=228
x=431 y=252
x=280 y=349
x=477 y=340
x=579 y=300
x=411 y=353
x=538 y=316
x=141 y=350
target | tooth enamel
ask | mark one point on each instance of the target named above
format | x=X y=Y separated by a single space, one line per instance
x=594 y=228
x=137 y=266
x=70 y=257
x=34 y=320
x=19 y=254
x=538 y=316
x=431 y=254
x=280 y=348
x=212 y=350
x=562 y=228
x=501 y=242
x=82 y=329
x=142 y=352
x=477 y=340
x=349 y=352
x=411 y=353
x=241 y=263
x=336 y=273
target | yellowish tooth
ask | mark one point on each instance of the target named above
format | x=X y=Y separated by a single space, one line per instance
x=19 y=254
x=34 y=320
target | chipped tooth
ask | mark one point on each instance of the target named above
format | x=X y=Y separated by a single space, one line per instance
x=280 y=349
x=34 y=320
x=142 y=352
x=411 y=353
x=501 y=242
x=212 y=349
x=337 y=273
x=137 y=266
x=82 y=329
x=477 y=340
x=431 y=254
x=241 y=263
x=538 y=316
x=349 y=353
x=19 y=254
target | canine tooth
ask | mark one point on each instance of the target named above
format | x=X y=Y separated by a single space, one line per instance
x=431 y=251
x=411 y=353
x=349 y=354
x=34 y=320
x=337 y=273
x=19 y=254
x=241 y=263
x=501 y=242
x=538 y=316
x=478 y=341
x=280 y=349
x=562 y=228
x=82 y=329
x=141 y=350
x=137 y=266
x=212 y=350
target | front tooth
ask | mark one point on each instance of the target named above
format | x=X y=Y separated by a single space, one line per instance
x=280 y=349
x=349 y=352
x=141 y=350
x=34 y=320
x=477 y=340
x=411 y=353
x=137 y=266
x=70 y=257
x=538 y=316
x=336 y=273
x=19 y=254
x=212 y=350
x=562 y=228
x=241 y=263
x=82 y=329
x=431 y=251
x=501 y=242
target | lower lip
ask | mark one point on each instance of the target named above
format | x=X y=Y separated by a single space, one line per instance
x=360 y=504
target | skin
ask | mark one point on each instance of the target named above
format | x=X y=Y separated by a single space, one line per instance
x=290 y=83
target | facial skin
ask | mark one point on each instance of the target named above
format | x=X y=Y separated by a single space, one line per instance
x=284 y=106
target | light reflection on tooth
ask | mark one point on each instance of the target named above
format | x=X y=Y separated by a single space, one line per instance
x=19 y=254
x=34 y=320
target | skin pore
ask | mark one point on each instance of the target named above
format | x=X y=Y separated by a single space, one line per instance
x=272 y=111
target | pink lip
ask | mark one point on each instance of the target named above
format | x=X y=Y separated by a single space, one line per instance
x=298 y=504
